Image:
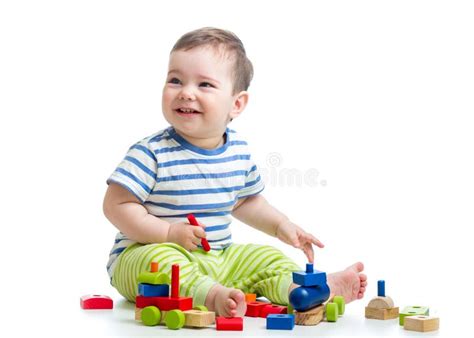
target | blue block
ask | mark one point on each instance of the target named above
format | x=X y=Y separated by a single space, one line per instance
x=280 y=322
x=309 y=278
x=381 y=288
x=308 y=297
x=150 y=290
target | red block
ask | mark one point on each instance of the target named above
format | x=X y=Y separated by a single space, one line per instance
x=165 y=303
x=181 y=303
x=272 y=309
x=142 y=301
x=96 y=302
x=254 y=308
x=229 y=324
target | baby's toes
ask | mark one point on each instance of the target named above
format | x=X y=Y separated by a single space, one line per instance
x=237 y=295
x=230 y=304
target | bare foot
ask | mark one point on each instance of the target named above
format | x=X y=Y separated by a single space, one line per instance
x=349 y=283
x=226 y=302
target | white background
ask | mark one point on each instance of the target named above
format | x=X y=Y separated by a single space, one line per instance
x=377 y=96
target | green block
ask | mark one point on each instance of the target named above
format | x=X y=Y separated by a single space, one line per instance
x=151 y=316
x=154 y=278
x=341 y=304
x=200 y=308
x=412 y=311
x=175 y=319
x=290 y=310
x=332 y=312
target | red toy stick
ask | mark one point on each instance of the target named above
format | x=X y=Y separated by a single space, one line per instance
x=175 y=281
x=204 y=242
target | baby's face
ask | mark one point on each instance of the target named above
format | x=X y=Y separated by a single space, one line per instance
x=197 y=97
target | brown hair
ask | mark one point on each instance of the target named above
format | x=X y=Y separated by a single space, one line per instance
x=231 y=44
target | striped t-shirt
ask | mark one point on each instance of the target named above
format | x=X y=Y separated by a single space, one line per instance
x=173 y=178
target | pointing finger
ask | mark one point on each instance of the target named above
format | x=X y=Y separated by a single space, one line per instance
x=317 y=242
x=309 y=252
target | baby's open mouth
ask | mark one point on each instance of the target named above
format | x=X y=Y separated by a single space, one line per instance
x=187 y=111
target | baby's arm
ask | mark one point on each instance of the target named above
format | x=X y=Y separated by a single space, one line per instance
x=259 y=214
x=126 y=212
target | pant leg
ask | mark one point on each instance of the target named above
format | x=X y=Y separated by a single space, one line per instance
x=259 y=269
x=195 y=275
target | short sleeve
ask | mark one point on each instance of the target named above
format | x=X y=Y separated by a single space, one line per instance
x=253 y=183
x=137 y=172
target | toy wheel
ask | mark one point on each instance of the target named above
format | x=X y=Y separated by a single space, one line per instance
x=151 y=316
x=200 y=308
x=174 y=319
x=341 y=304
x=332 y=312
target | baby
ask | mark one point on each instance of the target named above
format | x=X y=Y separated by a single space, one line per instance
x=198 y=165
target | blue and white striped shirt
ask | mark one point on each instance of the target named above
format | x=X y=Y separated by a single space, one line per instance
x=173 y=178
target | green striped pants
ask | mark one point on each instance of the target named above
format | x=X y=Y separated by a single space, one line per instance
x=252 y=268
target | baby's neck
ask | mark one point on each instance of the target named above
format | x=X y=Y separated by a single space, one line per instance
x=206 y=143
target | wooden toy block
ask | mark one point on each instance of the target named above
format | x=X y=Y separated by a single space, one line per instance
x=280 y=322
x=311 y=317
x=381 y=314
x=229 y=324
x=165 y=303
x=154 y=278
x=272 y=309
x=96 y=302
x=250 y=297
x=310 y=277
x=196 y=318
x=421 y=323
x=151 y=290
x=138 y=313
x=413 y=311
x=254 y=308
x=381 y=303
x=193 y=318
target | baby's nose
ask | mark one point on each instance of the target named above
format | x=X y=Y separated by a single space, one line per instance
x=186 y=93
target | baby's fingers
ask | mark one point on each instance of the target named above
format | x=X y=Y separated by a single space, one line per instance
x=316 y=242
x=196 y=241
x=199 y=232
x=309 y=252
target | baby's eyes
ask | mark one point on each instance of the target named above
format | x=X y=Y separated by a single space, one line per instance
x=206 y=84
x=202 y=84
x=174 y=81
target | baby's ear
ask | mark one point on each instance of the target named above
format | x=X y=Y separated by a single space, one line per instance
x=240 y=102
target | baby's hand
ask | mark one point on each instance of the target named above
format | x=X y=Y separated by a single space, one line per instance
x=291 y=234
x=187 y=235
